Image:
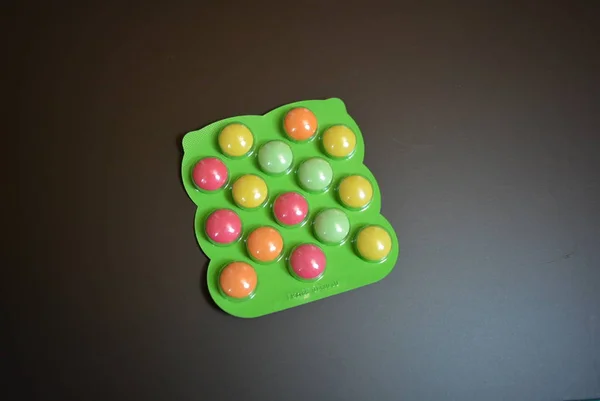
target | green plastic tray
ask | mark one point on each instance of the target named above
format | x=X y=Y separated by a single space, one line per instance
x=277 y=289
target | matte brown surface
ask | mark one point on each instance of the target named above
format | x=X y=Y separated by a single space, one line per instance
x=481 y=123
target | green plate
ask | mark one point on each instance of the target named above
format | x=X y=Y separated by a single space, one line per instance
x=277 y=288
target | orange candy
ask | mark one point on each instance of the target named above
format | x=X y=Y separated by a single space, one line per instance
x=300 y=124
x=238 y=280
x=265 y=244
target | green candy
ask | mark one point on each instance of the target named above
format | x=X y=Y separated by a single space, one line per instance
x=315 y=174
x=275 y=157
x=331 y=226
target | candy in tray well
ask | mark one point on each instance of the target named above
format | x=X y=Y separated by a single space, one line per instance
x=287 y=211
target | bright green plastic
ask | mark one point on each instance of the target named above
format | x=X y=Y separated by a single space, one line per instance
x=277 y=289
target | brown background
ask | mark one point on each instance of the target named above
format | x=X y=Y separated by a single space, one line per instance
x=481 y=123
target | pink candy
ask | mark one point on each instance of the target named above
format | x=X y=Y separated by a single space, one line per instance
x=290 y=208
x=223 y=226
x=307 y=261
x=210 y=174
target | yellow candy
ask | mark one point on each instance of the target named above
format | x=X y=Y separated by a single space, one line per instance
x=373 y=243
x=235 y=140
x=355 y=192
x=250 y=191
x=339 y=141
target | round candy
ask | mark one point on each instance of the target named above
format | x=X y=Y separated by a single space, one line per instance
x=223 y=226
x=249 y=191
x=235 y=140
x=300 y=124
x=264 y=244
x=275 y=157
x=331 y=226
x=339 y=141
x=315 y=174
x=373 y=243
x=307 y=262
x=209 y=174
x=355 y=192
x=290 y=208
x=238 y=280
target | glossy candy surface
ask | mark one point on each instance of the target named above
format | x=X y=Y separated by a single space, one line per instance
x=249 y=191
x=210 y=174
x=275 y=157
x=339 y=141
x=236 y=140
x=264 y=244
x=331 y=226
x=238 y=280
x=300 y=124
x=308 y=262
x=223 y=226
x=290 y=208
x=315 y=174
x=373 y=243
x=355 y=192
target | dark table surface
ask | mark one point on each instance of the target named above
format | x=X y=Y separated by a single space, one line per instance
x=481 y=123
